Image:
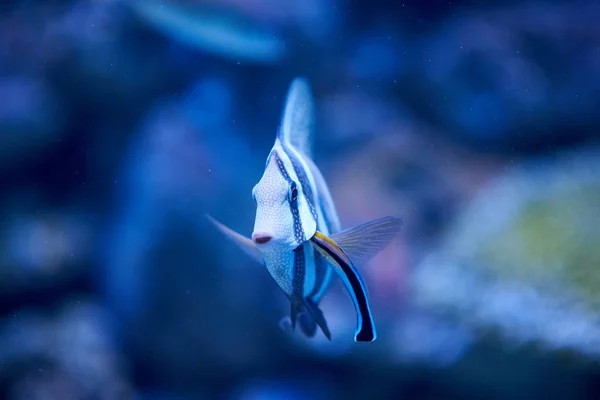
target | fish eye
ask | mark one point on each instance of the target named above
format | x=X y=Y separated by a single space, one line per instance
x=254 y=194
x=293 y=192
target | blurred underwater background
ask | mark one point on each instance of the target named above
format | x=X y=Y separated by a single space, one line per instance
x=123 y=122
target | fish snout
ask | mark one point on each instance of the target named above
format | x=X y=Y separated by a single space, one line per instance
x=261 y=238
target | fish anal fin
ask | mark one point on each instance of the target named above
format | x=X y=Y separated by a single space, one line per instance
x=244 y=243
x=362 y=242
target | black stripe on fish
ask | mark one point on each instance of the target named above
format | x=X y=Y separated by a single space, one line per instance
x=298 y=230
x=304 y=182
x=320 y=272
x=299 y=272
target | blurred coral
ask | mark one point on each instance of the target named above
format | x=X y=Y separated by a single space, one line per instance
x=521 y=257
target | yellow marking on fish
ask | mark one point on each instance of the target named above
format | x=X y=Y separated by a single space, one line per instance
x=327 y=239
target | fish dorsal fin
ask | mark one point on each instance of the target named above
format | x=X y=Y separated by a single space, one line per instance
x=364 y=241
x=329 y=212
x=244 y=243
x=298 y=117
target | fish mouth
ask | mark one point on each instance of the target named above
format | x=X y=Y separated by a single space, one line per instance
x=261 y=238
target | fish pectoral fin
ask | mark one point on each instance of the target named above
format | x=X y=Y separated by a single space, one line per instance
x=244 y=243
x=362 y=242
x=353 y=282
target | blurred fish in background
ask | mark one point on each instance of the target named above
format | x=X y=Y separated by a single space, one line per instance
x=123 y=122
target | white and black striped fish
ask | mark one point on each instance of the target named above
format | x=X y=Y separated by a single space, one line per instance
x=297 y=231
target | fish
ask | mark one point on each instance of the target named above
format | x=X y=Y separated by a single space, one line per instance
x=213 y=30
x=297 y=233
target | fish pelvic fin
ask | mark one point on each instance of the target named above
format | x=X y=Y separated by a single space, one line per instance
x=296 y=308
x=353 y=282
x=297 y=120
x=307 y=324
x=308 y=315
x=244 y=243
x=318 y=317
x=362 y=242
